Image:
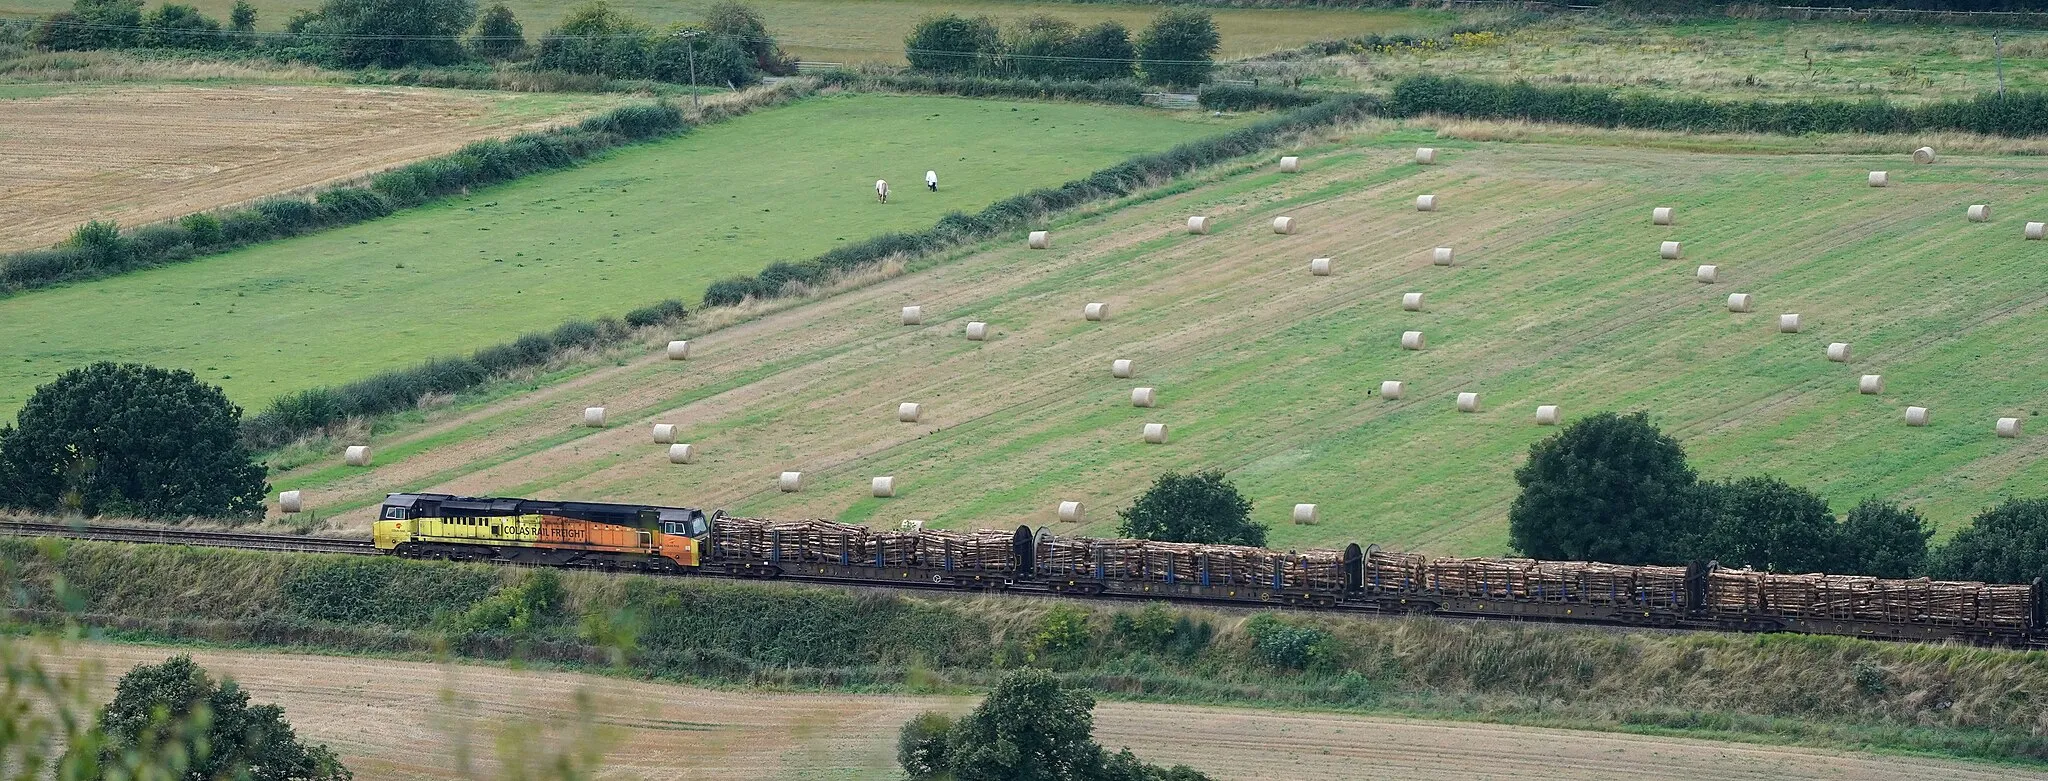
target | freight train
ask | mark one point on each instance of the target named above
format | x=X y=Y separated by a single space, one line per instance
x=1704 y=596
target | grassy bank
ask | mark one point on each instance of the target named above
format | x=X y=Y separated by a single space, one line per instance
x=1977 y=703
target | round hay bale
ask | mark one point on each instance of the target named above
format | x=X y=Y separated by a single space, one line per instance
x=1072 y=512
x=1660 y=215
x=1095 y=312
x=1788 y=323
x=1740 y=302
x=1155 y=433
x=790 y=482
x=1198 y=226
x=1924 y=155
x=882 y=487
x=1838 y=352
x=1306 y=514
x=593 y=417
x=1870 y=385
x=1442 y=257
x=1412 y=340
x=1425 y=203
x=1122 y=368
x=1283 y=225
x=910 y=525
x=1707 y=274
x=2008 y=428
x=1411 y=302
x=1393 y=390
x=1670 y=250
x=2035 y=230
x=1039 y=240
x=290 y=502
x=1425 y=156
x=1880 y=179
x=1916 y=416
x=356 y=455
x=664 y=433
x=682 y=454
x=679 y=349
x=1979 y=212
x=977 y=331
x=913 y=315
x=1143 y=397
x=1319 y=267
x=1468 y=402
x=909 y=412
x=1290 y=165
x=1547 y=415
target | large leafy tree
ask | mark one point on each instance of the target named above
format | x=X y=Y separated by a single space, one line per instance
x=1765 y=523
x=1179 y=48
x=1028 y=729
x=1883 y=539
x=132 y=440
x=498 y=35
x=174 y=714
x=2005 y=544
x=1195 y=507
x=1040 y=46
x=594 y=38
x=953 y=44
x=1103 y=52
x=174 y=26
x=740 y=25
x=1607 y=488
x=389 y=33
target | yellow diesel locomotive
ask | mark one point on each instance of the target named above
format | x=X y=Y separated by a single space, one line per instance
x=549 y=533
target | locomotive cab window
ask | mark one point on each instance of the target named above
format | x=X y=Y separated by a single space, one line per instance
x=394 y=514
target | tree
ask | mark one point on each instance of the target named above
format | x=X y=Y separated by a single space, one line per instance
x=1607 y=488
x=1886 y=540
x=1041 y=46
x=1028 y=729
x=1179 y=47
x=129 y=439
x=175 y=710
x=242 y=18
x=173 y=26
x=109 y=24
x=593 y=38
x=743 y=26
x=1103 y=52
x=1197 y=507
x=62 y=31
x=1765 y=523
x=719 y=60
x=2005 y=544
x=389 y=33
x=498 y=35
x=952 y=44
x=921 y=746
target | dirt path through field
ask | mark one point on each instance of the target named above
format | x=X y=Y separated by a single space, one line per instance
x=404 y=720
x=140 y=154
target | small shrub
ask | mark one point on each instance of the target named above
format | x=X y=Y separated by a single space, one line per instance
x=1063 y=628
x=921 y=745
x=1287 y=646
x=669 y=311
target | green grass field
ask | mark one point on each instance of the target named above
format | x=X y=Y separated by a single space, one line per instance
x=651 y=222
x=1559 y=297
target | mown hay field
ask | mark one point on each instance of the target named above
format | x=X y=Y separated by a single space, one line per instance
x=652 y=222
x=1558 y=297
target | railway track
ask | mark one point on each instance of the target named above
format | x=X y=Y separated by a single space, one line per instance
x=284 y=543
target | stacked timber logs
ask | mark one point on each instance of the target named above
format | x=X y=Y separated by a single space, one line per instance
x=1190 y=563
x=819 y=541
x=1858 y=597
x=1528 y=579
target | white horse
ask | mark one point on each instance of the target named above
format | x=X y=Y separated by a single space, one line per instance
x=882 y=190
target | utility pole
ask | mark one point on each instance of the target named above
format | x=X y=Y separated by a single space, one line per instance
x=690 y=47
x=1998 y=56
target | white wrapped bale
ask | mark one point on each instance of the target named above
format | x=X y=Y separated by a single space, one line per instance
x=1290 y=165
x=1143 y=397
x=1411 y=302
x=1198 y=226
x=1979 y=212
x=909 y=412
x=1442 y=257
x=664 y=433
x=290 y=502
x=1547 y=415
x=682 y=454
x=1870 y=384
x=679 y=349
x=1393 y=390
x=593 y=417
x=1707 y=275
x=2008 y=428
x=1319 y=267
x=1838 y=352
x=1425 y=203
x=910 y=525
x=1788 y=323
x=1924 y=155
x=913 y=315
x=1425 y=155
x=882 y=487
x=1155 y=433
x=1468 y=402
x=1670 y=250
x=1660 y=215
x=790 y=482
x=1916 y=416
x=1740 y=302
x=356 y=455
x=1307 y=514
x=1072 y=512
x=1412 y=340
x=1039 y=240
x=1095 y=312
x=2035 y=230
x=1122 y=368
x=977 y=332
x=1283 y=225
x=1880 y=179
